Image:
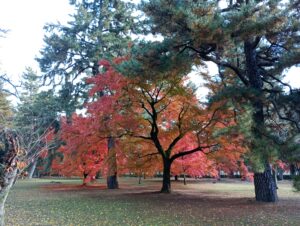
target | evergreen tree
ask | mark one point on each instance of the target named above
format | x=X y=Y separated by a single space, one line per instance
x=36 y=113
x=6 y=112
x=98 y=29
x=253 y=40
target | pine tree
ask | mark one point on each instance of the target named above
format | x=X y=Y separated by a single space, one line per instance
x=6 y=112
x=253 y=40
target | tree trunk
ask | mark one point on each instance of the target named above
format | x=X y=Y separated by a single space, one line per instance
x=166 y=187
x=280 y=174
x=112 y=180
x=274 y=174
x=9 y=180
x=184 y=179
x=292 y=170
x=32 y=169
x=176 y=177
x=85 y=175
x=265 y=186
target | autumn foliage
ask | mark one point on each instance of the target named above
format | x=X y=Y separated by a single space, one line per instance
x=155 y=124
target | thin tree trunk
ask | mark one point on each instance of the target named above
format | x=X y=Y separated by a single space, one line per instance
x=176 y=177
x=184 y=179
x=280 y=174
x=8 y=183
x=274 y=173
x=112 y=180
x=140 y=177
x=265 y=186
x=292 y=170
x=32 y=169
x=84 y=179
x=166 y=187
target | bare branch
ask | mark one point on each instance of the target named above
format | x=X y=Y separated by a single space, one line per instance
x=197 y=149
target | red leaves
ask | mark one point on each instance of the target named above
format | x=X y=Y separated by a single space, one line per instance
x=126 y=109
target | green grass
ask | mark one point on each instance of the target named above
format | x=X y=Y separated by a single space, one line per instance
x=231 y=202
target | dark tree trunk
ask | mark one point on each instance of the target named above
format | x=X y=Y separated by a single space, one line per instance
x=184 y=179
x=274 y=174
x=112 y=182
x=280 y=174
x=166 y=187
x=265 y=186
x=32 y=169
x=176 y=177
x=140 y=178
x=84 y=179
x=112 y=179
x=292 y=169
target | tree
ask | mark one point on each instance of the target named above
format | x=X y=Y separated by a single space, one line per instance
x=35 y=114
x=82 y=150
x=162 y=111
x=99 y=29
x=256 y=51
x=6 y=113
x=10 y=153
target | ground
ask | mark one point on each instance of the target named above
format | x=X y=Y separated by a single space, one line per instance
x=201 y=202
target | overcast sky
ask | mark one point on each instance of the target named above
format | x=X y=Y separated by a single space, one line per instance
x=25 y=20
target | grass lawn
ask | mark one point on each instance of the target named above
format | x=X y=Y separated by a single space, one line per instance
x=201 y=202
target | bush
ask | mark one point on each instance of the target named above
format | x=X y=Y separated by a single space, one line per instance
x=296 y=182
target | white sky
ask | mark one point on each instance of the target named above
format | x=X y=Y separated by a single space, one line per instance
x=25 y=20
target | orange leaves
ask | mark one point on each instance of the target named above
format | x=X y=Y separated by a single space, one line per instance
x=83 y=150
x=149 y=119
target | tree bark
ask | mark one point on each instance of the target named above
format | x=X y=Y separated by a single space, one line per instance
x=32 y=169
x=112 y=180
x=265 y=186
x=166 y=187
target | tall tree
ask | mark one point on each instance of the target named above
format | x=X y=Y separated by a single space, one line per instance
x=36 y=113
x=163 y=112
x=251 y=39
x=6 y=113
x=98 y=29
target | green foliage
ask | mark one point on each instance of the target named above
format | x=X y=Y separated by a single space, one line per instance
x=6 y=112
x=296 y=182
x=152 y=60
x=98 y=29
x=252 y=43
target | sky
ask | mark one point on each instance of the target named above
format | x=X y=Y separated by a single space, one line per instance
x=25 y=20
